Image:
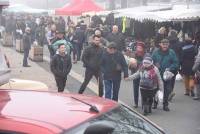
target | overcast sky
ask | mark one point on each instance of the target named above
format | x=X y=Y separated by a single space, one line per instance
x=41 y=3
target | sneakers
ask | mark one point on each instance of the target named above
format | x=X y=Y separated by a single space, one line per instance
x=135 y=106
x=196 y=98
x=166 y=108
x=26 y=66
x=192 y=93
x=187 y=94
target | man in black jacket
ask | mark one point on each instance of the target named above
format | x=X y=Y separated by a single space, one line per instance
x=91 y=59
x=117 y=38
x=61 y=66
x=27 y=46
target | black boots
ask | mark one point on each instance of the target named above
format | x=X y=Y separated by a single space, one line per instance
x=146 y=109
x=155 y=104
x=187 y=93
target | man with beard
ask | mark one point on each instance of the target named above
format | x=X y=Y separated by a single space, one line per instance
x=91 y=59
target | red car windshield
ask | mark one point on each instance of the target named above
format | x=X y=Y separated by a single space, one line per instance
x=125 y=121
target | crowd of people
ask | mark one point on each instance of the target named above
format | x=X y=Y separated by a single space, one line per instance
x=106 y=53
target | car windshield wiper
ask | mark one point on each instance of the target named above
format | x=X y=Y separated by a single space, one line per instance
x=92 y=107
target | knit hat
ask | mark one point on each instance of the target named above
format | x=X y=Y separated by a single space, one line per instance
x=148 y=61
x=139 y=43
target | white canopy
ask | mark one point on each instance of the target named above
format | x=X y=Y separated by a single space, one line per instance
x=18 y=8
x=178 y=12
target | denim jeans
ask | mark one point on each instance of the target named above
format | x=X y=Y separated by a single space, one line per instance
x=112 y=89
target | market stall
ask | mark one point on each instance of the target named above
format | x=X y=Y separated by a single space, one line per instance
x=77 y=7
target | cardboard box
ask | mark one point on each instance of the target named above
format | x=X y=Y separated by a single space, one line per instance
x=19 y=45
x=36 y=53
x=8 y=40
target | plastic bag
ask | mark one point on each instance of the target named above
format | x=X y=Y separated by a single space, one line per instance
x=159 y=96
x=35 y=43
x=178 y=77
x=167 y=75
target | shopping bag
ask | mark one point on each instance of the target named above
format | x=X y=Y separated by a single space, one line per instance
x=179 y=77
x=159 y=96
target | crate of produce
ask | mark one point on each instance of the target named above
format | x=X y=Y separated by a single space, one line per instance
x=8 y=40
x=19 y=45
x=36 y=53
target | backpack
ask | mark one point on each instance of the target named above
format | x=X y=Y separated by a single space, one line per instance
x=148 y=79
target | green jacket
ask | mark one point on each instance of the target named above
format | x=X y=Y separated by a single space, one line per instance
x=165 y=60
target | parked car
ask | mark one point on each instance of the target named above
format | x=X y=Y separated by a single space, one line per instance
x=24 y=85
x=42 y=112
x=7 y=83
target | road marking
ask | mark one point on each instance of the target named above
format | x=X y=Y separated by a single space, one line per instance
x=91 y=85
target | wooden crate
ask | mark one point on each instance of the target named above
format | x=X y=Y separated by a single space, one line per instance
x=36 y=53
x=19 y=45
x=8 y=40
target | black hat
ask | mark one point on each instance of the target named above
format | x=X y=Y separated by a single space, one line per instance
x=112 y=45
x=60 y=31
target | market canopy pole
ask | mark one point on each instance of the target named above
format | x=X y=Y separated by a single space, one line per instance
x=188 y=4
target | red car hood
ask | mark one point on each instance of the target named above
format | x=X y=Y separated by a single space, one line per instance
x=50 y=110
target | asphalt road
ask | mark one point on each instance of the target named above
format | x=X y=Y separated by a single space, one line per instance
x=184 y=117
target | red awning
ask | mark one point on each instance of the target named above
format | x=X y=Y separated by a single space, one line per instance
x=79 y=8
x=86 y=6
x=66 y=8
